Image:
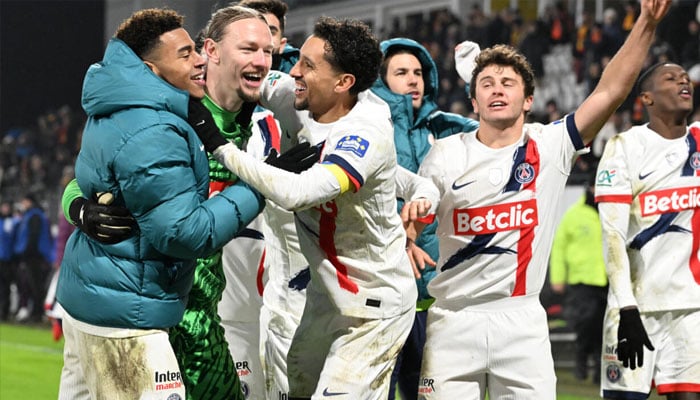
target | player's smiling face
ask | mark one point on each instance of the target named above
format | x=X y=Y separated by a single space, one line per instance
x=176 y=61
x=500 y=96
x=244 y=55
x=315 y=78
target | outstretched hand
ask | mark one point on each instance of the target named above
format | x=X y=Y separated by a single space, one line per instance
x=654 y=10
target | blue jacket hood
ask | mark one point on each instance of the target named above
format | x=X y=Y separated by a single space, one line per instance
x=430 y=73
x=122 y=80
x=430 y=79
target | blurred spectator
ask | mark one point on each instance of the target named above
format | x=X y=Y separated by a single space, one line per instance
x=690 y=53
x=577 y=270
x=613 y=37
x=631 y=13
x=53 y=309
x=8 y=268
x=535 y=45
x=585 y=38
x=553 y=111
x=34 y=251
x=476 y=26
x=561 y=24
x=500 y=28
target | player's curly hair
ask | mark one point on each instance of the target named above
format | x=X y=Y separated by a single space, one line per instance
x=351 y=48
x=504 y=55
x=275 y=7
x=142 y=30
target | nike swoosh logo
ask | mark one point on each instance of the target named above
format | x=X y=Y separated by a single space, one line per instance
x=201 y=147
x=200 y=123
x=329 y=394
x=455 y=186
x=641 y=177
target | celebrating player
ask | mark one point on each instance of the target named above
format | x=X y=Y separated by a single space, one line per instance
x=500 y=188
x=647 y=189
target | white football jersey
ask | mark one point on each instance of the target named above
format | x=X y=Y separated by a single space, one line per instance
x=355 y=243
x=498 y=211
x=660 y=181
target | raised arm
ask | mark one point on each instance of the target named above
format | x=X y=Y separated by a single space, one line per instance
x=619 y=76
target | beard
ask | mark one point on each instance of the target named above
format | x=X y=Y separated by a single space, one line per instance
x=247 y=97
x=301 y=104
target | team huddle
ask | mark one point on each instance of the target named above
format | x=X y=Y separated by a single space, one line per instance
x=304 y=223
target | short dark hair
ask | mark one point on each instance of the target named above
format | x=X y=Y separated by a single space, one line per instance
x=644 y=80
x=350 y=48
x=276 y=7
x=504 y=55
x=143 y=29
x=392 y=51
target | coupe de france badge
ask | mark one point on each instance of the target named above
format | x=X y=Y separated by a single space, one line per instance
x=354 y=144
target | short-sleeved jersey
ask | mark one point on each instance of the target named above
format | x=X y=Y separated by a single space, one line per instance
x=356 y=242
x=660 y=180
x=497 y=211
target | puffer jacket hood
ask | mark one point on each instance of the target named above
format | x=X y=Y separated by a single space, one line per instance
x=430 y=78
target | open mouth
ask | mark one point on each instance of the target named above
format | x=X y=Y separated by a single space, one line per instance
x=253 y=77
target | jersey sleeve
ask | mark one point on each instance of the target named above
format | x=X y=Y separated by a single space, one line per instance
x=290 y=191
x=613 y=175
x=70 y=193
x=614 y=219
x=410 y=186
x=432 y=166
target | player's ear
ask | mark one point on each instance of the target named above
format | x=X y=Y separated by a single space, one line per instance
x=345 y=82
x=153 y=67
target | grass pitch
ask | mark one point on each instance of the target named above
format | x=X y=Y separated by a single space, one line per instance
x=30 y=367
x=30 y=362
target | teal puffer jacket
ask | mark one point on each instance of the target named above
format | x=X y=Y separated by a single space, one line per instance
x=138 y=146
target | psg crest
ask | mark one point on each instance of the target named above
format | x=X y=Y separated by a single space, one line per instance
x=524 y=173
x=613 y=373
x=694 y=161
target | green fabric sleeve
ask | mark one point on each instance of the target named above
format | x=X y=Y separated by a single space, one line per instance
x=70 y=193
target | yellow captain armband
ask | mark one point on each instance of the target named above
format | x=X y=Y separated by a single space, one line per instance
x=340 y=175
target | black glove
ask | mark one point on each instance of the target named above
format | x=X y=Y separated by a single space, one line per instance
x=203 y=123
x=245 y=116
x=631 y=339
x=297 y=159
x=103 y=222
